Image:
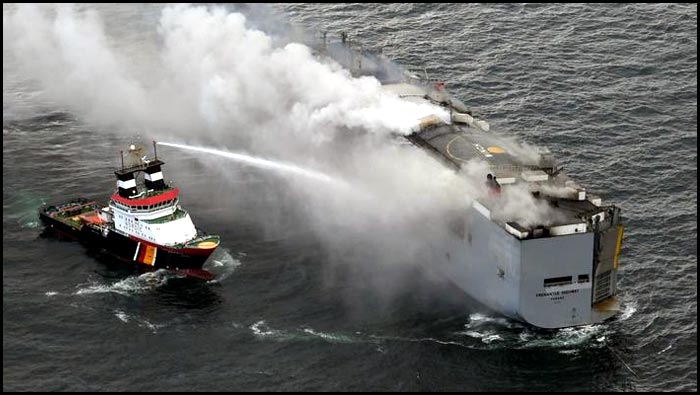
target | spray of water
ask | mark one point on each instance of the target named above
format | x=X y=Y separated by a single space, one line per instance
x=259 y=162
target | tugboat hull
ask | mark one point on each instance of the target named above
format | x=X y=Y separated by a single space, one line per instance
x=130 y=248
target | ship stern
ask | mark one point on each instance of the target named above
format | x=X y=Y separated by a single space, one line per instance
x=571 y=279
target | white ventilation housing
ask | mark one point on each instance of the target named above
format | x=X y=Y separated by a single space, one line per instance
x=483 y=210
x=535 y=176
x=505 y=180
x=458 y=117
x=569 y=229
x=581 y=194
x=516 y=230
x=483 y=125
x=596 y=200
x=427 y=121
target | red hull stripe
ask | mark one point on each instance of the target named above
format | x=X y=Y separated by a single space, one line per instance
x=165 y=196
x=184 y=251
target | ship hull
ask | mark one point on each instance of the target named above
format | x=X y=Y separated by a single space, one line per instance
x=132 y=249
x=549 y=282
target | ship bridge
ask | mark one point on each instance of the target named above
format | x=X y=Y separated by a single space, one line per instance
x=148 y=210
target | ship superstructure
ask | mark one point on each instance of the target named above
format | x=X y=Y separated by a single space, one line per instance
x=555 y=272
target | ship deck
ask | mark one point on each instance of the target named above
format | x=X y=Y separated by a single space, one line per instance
x=458 y=145
x=74 y=213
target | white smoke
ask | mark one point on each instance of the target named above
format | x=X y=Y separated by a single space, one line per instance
x=69 y=54
x=216 y=80
x=213 y=69
x=516 y=203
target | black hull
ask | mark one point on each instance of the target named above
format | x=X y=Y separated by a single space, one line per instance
x=128 y=249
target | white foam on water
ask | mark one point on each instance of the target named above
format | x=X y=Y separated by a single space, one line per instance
x=261 y=329
x=628 y=311
x=569 y=352
x=443 y=342
x=567 y=337
x=129 y=286
x=151 y=326
x=665 y=349
x=222 y=264
x=486 y=337
x=121 y=315
x=478 y=319
x=24 y=223
x=140 y=322
x=491 y=338
x=512 y=334
x=379 y=339
x=333 y=338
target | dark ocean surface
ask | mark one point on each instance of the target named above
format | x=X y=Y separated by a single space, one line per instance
x=610 y=89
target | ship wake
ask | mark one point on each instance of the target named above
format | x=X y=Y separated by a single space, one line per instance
x=132 y=285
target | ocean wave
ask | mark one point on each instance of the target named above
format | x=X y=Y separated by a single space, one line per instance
x=263 y=330
x=140 y=321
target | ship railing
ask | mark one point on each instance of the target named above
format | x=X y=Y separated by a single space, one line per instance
x=155 y=208
x=204 y=238
x=177 y=214
x=612 y=217
x=141 y=166
x=154 y=192
x=511 y=169
x=421 y=75
x=64 y=209
x=198 y=239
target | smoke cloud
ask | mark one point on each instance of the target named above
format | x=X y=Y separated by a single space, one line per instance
x=213 y=80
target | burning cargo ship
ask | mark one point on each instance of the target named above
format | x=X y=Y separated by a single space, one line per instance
x=558 y=273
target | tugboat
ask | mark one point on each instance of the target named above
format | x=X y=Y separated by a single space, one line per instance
x=143 y=222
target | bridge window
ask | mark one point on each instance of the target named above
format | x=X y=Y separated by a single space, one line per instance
x=556 y=281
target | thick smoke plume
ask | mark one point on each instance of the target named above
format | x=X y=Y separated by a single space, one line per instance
x=209 y=79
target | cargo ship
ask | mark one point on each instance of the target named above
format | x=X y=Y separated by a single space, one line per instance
x=143 y=223
x=554 y=272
